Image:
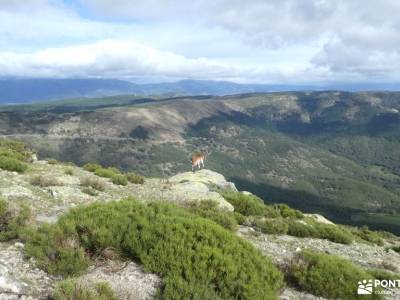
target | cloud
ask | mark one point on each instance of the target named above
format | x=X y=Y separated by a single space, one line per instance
x=111 y=58
x=353 y=37
x=258 y=40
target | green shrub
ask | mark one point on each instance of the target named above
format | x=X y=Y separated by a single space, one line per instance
x=383 y=275
x=12 y=220
x=112 y=173
x=119 y=179
x=115 y=170
x=10 y=153
x=12 y=164
x=396 y=248
x=318 y=230
x=334 y=233
x=300 y=229
x=44 y=181
x=270 y=211
x=15 y=149
x=69 y=171
x=56 y=248
x=367 y=235
x=327 y=276
x=92 y=183
x=69 y=289
x=52 y=161
x=105 y=172
x=91 y=167
x=271 y=226
x=286 y=212
x=240 y=219
x=90 y=191
x=247 y=205
x=196 y=258
x=134 y=178
x=210 y=210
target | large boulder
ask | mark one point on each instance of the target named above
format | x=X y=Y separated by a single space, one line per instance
x=200 y=185
x=209 y=178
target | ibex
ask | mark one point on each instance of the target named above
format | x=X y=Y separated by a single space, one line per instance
x=199 y=158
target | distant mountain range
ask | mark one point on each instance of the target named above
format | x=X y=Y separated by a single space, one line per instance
x=14 y=91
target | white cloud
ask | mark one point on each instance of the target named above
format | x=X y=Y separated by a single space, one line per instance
x=111 y=58
x=257 y=40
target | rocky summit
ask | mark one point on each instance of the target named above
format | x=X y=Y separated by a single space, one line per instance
x=51 y=189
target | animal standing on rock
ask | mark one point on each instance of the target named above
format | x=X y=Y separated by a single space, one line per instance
x=199 y=158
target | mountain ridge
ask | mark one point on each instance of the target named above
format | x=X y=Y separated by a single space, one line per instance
x=28 y=90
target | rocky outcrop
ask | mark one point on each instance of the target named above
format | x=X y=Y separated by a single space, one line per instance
x=127 y=279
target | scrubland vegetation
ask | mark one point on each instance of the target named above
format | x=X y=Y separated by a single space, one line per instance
x=116 y=176
x=71 y=290
x=13 y=156
x=13 y=219
x=193 y=247
x=281 y=219
x=328 y=276
x=197 y=258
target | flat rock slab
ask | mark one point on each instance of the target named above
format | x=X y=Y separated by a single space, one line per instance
x=208 y=177
x=20 y=279
x=128 y=280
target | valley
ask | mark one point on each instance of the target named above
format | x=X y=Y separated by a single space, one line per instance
x=335 y=153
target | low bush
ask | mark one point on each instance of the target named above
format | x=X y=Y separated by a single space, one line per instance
x=247 y=205
x=12 y=220
x=91 y=167
x=11 y=153
x=92 y=183
x=52 y=161
x=396 y=248
x=367 y=235
x=287 y=212
x=318 y=230
x=112 y=173
x=383 y=275
x=90 y=191
x=69 y=171
x=240 y=219
x=69 y=289
x=271 y=226
x=196 y=258
x=119 y=179
x=134 y=178
x=44 y=181
x=327 y=276
x=334 y=233
x=15 y=149
x=210 y=210
x=105 y=172
x=301 y=229
x=12 y=164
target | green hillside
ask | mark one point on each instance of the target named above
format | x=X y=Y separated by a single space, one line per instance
x=336 y=153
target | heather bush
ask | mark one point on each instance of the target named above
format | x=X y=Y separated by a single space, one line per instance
x=327 y=275
x=92 y=183
x=196 y=258
x=44 y=181
x=91 y=167
x=12 y=164
x=271 y=226
x=12 y=220
x=70 y=289
x=134 y=178
x=247 y=205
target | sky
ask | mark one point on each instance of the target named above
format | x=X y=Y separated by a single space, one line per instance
x=253 y=41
